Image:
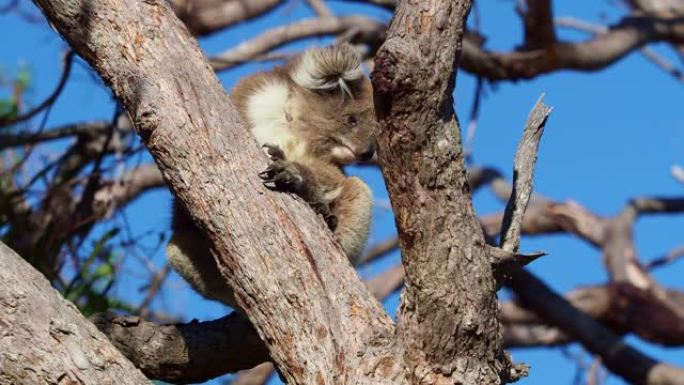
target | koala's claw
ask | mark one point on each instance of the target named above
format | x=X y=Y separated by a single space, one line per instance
x=331 y=220
x=273 y=152
x=282 y=175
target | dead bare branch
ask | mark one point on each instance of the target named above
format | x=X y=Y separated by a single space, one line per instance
x=387 y=4
x=203 y=17
x=628 y=35
x=380 y=250
x=523 y=170
x=657 y=59
x=258 y=375
x=672 y=256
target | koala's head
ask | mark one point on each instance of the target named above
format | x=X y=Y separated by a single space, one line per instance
x=333 y=105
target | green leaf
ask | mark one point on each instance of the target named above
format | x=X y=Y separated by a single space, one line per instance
x=8 y=109
x=24 y=77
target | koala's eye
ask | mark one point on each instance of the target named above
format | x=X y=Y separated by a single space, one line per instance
x=352 y=120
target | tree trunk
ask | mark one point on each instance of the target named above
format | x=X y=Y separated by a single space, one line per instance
x=447 y=322
x=45 y=340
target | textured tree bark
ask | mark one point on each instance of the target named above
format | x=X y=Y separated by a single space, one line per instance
x=447 y=322
x=45 y=340
x=298 y=289
x=185 y=353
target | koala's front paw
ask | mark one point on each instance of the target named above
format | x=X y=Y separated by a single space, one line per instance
x=283 y=175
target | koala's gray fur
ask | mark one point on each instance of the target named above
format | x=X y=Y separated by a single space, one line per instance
x=313 y=115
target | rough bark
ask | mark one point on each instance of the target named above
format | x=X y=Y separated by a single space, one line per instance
x=45 y=340
x=298 y=289
x=523 y=172
x=183 y=353
x=447 y=320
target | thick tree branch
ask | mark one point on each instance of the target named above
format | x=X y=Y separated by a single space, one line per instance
x=443 y=249
x=289 y=276
x=193 y=352
x=46 y=340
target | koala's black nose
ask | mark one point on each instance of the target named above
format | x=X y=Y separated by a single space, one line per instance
x=367 y=152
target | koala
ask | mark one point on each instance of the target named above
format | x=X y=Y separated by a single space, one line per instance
x=312 y=116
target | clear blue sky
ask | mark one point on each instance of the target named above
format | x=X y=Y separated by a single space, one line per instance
x=613 y=135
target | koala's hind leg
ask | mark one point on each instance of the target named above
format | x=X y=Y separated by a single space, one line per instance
x=188 y=253
x=352 y=208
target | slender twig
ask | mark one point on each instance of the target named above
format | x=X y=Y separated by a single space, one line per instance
x=156 y=283
x=674 y=255
x=68 y=61
x=8 y=140
x=276 y=37
x=320 y=8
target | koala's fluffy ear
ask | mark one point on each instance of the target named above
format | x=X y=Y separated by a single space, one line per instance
x=329 y=68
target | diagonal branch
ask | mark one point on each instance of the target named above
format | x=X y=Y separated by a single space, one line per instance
x=620 y=358
x=289 y=276
x=657 y=59
x=320 y=8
